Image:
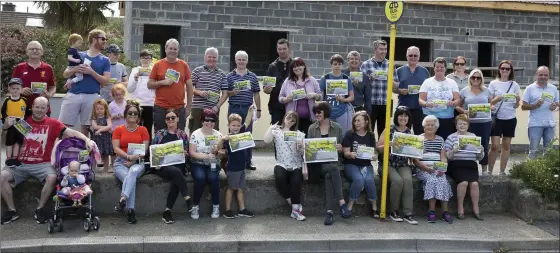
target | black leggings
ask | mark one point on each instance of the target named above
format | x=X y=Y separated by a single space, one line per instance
x=147 y=121
x=288 y=183
x=178 y=183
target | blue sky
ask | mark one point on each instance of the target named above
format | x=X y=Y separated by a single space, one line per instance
x=30 y=7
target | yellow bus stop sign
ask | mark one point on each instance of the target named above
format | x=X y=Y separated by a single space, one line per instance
x=393 y=10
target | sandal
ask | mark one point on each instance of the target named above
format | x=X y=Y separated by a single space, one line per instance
x=460 y=216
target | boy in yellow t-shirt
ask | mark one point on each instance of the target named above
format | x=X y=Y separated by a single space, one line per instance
x=14 y=106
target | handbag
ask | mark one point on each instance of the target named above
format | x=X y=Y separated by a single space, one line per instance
x=495 y=115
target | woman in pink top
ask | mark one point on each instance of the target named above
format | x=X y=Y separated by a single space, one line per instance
x=298 y=79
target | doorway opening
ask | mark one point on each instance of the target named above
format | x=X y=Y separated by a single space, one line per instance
x=159 y=34
x=485 y=58
x=545 y=57
x=260 y=46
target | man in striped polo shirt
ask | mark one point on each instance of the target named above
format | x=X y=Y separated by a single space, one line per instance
x=243 y=89
x=209 y=82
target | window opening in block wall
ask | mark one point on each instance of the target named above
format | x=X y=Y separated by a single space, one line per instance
x=260 y=45
x=545 y=57
x=485 y=58
x=159 y=34
x=402 y=44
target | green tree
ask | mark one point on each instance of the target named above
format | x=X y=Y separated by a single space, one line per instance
x=75 y=16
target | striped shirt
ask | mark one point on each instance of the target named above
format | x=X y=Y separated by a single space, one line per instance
x=379 y=83
x=245 y=97
x=205 y=79
x=453 y=140
x=432 y=150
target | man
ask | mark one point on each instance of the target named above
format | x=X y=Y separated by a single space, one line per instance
x=243 y=89
x=209 y=82
x=279 y=69
x=411 y=76
x=35 y=157
x=362 y=89
x=35 y=71
x=377 y=68
x=118 y=72
x=78 y=103
x=541 y=99
x=169 y=77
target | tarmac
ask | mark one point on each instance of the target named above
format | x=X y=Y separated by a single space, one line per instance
x=277 y=233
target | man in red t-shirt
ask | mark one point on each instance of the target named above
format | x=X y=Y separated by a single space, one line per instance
x=36 y=72
x=35 y=156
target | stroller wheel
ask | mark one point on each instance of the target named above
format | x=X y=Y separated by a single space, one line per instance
x=87 y=224
x=96 y=223
x=50 y=226
x=59 y=224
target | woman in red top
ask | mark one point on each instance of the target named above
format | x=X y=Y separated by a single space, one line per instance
x=128 y=165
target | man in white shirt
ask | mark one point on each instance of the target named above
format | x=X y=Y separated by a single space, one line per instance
x=541 y=100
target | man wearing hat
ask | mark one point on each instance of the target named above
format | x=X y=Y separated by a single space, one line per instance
x=14 y=106
x=118 y=72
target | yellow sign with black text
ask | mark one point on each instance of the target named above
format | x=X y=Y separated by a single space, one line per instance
x=393 y=10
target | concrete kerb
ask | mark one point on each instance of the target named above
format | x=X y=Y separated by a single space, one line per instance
x=286 y=243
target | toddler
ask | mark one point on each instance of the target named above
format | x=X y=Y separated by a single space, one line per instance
x=74 y=183
x=74 y=58
x=14 y=106
x=102 y=126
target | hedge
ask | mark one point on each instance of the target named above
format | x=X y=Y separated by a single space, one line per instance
x=541 y=174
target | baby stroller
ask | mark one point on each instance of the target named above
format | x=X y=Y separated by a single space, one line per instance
x=68 y=150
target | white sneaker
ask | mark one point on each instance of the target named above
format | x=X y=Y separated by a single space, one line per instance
x=486 y=173
x=194 y=213
x=215 y=212
x=300 y=209
x=296 y=214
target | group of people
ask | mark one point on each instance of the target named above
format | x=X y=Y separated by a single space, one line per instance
x=164 y=94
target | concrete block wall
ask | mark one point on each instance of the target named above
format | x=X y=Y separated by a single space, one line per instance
x=318 y=30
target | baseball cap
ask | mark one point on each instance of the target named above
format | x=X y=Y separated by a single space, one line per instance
x=113 y=49
x=15 y=81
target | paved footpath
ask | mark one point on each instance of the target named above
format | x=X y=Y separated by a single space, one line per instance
x=270 y=233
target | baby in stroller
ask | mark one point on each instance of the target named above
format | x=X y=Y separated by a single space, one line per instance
x=74 y=184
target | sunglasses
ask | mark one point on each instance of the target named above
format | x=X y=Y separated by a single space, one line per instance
x=132 y=114
x=210 y=120
x=505 y=69
x=402 y=107
x=460 y=64
x=476 y=78
x=102 y=38
x=412 y=55
x=170 y=118
x=146 y=58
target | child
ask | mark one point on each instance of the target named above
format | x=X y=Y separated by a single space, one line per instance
x=74 y=58
x=116 y=108
x=118 y=72
x=236 y=165
x=13 y=106
x=102 y=125
x=74 y=184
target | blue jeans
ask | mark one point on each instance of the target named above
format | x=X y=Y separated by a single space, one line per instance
x=535 y=135
x=128 y=177
x=202 y=174
x=483 y=130
x=360 y=181
x=242 y=110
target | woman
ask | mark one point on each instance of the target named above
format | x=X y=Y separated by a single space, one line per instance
x=299 y=78
x=205 y=166
x=400 y=173
x=138 y=89
x=435 y=184
x=359 y=169
x=341 y=107
x=128 y=167
x=477 y=93
x=325 y=128
x=438 y=96
x=173 y=173
x=459 y=74
x=505 y=120
x=289 y=170
x=462 y=167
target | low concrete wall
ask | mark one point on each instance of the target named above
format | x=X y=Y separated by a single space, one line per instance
x=261 y=196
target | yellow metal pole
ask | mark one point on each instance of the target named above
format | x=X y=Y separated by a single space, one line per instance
x=388 y=121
